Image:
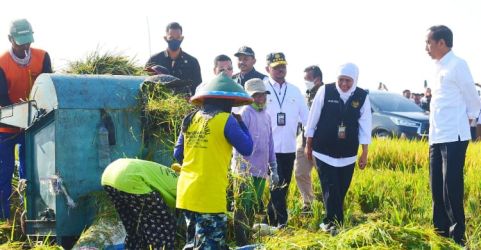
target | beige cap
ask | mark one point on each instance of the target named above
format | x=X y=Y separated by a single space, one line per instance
x=255 y=85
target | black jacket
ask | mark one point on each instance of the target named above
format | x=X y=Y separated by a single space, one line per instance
x=185 y=67
x=250 y=75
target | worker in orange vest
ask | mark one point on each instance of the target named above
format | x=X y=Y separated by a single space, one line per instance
x=19 y=67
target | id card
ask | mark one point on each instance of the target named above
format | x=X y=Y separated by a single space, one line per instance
x=281 y=119
x=341 y=131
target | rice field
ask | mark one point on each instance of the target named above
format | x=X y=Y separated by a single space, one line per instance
x=388 y=205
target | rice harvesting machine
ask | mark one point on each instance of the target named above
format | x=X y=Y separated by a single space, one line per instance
x=75 y=125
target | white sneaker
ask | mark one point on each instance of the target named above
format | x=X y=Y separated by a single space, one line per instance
x=264 y=229
x=325 y=227
x=329 y=228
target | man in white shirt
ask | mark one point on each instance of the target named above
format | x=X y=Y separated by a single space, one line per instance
x=454 y=104
x=286 y=107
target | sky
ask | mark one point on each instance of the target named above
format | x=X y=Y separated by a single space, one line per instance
x=385 y=38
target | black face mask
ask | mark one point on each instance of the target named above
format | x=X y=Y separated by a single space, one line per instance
x=174 y=44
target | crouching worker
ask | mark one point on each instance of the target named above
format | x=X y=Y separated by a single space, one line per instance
x=143 y=193
x=204 y=148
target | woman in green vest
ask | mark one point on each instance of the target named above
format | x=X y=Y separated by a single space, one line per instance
x=143 y=194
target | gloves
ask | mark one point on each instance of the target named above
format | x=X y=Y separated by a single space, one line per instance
x=22 y=185
x=274 y=175
x=176 y=167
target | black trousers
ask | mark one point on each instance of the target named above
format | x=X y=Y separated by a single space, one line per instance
x=277 y=207
x=335 y=182
x=446 y=164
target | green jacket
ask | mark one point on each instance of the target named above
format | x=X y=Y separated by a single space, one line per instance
x=141 y=177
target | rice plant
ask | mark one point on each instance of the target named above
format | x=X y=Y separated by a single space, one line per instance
x=109 y=62
x=388 y=205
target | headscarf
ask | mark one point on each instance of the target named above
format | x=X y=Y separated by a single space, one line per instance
x=212 y=107
x=350 y=70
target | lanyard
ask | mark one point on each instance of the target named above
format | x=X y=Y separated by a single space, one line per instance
x=283 y=98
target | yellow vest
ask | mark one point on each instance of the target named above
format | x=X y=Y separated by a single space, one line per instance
x=202 y=183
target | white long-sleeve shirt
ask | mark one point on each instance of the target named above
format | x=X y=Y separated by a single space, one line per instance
x=365 y=126
x=295 y=108
x=454 y=101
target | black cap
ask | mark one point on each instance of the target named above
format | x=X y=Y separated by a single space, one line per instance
x=244 y=50
x=276 y=58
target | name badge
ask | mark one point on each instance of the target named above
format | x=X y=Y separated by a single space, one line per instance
x=281 y=119
x=341 y=131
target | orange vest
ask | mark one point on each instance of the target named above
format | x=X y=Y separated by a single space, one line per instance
x=20 y=78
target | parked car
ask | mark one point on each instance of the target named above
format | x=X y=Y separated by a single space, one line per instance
x=395 y=116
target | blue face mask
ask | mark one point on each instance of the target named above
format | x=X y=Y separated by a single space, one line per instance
x=174 y=44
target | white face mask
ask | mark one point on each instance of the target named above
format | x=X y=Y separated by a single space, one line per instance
x=309 y=85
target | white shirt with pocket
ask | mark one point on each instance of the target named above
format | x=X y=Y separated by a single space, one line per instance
x=454 y=101
x=294 y=108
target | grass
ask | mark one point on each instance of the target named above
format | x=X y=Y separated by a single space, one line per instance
x=109 y=62
x=163 y=115
x=388 y=206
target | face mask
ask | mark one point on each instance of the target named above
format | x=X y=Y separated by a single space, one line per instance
x=258 y=107
x=174 y=44
x=309 y=85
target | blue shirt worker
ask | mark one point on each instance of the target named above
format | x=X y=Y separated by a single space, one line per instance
x=204 y=148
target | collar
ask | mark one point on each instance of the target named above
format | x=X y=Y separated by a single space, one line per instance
x=181 y=54
x=315 y=88
x=250 y=72
x=276 y=84
x=21 y=61
x=256 y=108
x=446 y=58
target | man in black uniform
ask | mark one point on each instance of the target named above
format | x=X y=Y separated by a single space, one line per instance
x=246 y=60
x=179 y=63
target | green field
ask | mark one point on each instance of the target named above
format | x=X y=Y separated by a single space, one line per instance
x=388 y=206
